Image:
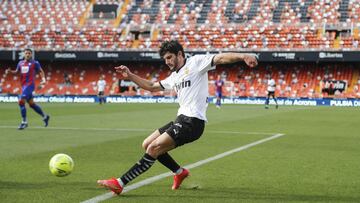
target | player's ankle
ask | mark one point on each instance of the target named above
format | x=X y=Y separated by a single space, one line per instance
x=179 y=171
x=120 y=182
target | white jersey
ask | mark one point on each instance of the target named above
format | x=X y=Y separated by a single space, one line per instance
x=191 y=85
x=271 y=85
x=101 y=85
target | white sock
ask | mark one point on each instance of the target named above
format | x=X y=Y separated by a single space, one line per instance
x=179 y=171
x=120 y=182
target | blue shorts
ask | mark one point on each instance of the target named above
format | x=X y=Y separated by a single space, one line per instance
x=218 y=94
x=27 y=92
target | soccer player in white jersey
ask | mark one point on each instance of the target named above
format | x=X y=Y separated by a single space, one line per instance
x=271 y=87
x=189 y=78
x=101 y=84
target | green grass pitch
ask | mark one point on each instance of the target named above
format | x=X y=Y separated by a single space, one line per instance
x=318 y=159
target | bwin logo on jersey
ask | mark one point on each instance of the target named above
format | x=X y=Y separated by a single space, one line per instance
x=182 y=85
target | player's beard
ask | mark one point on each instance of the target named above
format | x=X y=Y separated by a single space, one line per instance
x=27 y=58
x=176 y=64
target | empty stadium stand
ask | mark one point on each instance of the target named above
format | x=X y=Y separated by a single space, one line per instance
x=205 y=24
x=293 y=80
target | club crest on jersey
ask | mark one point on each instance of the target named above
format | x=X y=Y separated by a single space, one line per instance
x=24 y=69
x=182 y=85
x=186 y=71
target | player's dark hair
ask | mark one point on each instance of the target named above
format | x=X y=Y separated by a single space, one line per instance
x=28 y=49
x=172 y=46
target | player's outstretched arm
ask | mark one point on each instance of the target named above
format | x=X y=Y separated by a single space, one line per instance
x=141 y=82
x=227 y=58
x=10 y=71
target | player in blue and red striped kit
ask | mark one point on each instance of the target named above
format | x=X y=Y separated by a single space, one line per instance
x=28 y=69
x=219 y=83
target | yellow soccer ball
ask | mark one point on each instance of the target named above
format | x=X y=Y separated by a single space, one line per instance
x=61 y=165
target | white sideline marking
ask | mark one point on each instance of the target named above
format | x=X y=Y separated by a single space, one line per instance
x=128 y=130
x=190 y=166
x=71 y=128
x=236 y=132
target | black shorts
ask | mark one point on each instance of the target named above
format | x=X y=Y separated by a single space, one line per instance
x=101 y=93
x=184 y=129
x=270 y=93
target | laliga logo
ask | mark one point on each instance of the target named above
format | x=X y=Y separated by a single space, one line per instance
x=330 y=55
x=100 y=54
x=107 y=55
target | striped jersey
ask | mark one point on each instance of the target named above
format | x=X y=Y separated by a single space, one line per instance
x=28 y=70
x=219 y=84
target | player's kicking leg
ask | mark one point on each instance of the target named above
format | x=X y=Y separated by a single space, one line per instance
x=159 y=146
x=165 y=159
x=172 y=135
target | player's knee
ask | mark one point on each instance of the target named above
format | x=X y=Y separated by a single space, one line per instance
x=21 y=102
x=145 y=144
x=31 y=104
x=153 y=149
x=150 y=139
